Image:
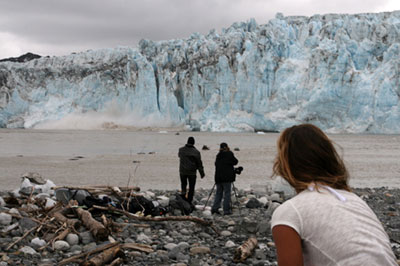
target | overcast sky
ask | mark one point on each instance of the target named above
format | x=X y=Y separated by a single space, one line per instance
x=60 y=27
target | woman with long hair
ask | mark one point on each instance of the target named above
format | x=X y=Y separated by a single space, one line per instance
x=325 y=223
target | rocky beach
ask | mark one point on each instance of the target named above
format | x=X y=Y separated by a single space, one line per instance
x=27 y=235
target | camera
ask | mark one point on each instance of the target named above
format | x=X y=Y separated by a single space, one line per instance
x=238 y=170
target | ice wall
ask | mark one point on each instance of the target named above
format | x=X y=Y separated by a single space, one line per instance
x=339 y=72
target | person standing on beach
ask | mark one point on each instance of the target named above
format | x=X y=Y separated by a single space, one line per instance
x=325 y=223
x=189 y=163
x=224 y=176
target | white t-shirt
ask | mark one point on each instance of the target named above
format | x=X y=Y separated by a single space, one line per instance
x=336 y=232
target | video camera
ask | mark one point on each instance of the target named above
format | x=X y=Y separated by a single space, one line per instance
x=238 y=170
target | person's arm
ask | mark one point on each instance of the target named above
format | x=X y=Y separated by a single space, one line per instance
x=288 y=246
x=199 y=164
x=234 y=160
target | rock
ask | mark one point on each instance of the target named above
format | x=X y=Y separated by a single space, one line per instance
x=275 y=198
x=230 y=244
x=35 y=178
x=37 y=243
x=72 y=239
x=205 y=148
x=76 y=248
x=142 y=238
x=89 y=247
x=253 y=203
x=10 y=228
x=200 y=250
x=183 y=245
x=164 y=201
x=28 y=250
x=50 y=203
x=170 y=246
x=264 y=201
x=226 y=233
x=27 y=223
x=2 y=202
x=264 y=227
x=14 y=211
x=5 y=218
x=42 y=196
x=61 y=245
x=184 y=231
x=86 y=237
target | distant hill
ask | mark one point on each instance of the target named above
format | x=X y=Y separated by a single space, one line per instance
x=22 y=59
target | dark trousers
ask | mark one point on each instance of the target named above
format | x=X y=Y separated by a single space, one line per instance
x=192 y=183
x=223 y=191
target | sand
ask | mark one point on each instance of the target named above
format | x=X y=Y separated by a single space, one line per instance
x=148 y=159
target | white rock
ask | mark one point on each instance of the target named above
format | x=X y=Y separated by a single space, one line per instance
x=46 y=188
x=142 y=238
x=50 y=203
x=72 y=239
x=14 y=211
x=61 y=245
x=164 y=201
x=37 y=242
x=275 y=197
x=28 y=250
x=263 y=200
x=42 y=196
x=230 y=244
x=226 y=233
x=26 y=183
x=170 y=246
x=5 y=218
x=2 y=203
x=10 y=227
x=150 y=194
x=207 y=214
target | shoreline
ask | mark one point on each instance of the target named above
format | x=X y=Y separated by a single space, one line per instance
x=184 y=242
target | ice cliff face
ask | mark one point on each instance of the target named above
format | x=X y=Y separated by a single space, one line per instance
x=339 y=72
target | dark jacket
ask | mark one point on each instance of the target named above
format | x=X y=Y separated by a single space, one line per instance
x=224 y=171
x=190 y=161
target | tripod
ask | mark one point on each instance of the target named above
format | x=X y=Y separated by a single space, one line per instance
x=234 y=191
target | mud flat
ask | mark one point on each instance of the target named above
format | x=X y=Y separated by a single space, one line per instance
x=149 y=159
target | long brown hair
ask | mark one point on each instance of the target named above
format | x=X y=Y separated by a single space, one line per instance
x=306 y=155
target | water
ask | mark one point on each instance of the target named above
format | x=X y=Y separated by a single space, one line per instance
x=149 y=159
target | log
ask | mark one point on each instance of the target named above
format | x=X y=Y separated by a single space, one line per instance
x=156 y=219
x=138 y=247
x=96 y=228
x=105 y=257
x=116 y=262
x=245 y=250
x=87 y=254
x=74 y=223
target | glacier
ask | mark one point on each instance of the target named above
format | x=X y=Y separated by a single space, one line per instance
x=340 y=72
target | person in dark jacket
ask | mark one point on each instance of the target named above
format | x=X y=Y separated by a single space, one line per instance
x=224 y=176
x=189 y=163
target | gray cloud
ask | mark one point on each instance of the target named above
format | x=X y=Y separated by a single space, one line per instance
x=60 y=27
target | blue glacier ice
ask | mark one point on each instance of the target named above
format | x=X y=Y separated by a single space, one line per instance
x=339 y=72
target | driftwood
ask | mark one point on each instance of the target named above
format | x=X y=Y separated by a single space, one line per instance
x=117 y=261
x=137 y=247
x=94 y=190
x=22 y=237
x=159 y=218
x=96 y=228
x=74 y=223
x=105 y=257
x=87 y=254
x=245 y=250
